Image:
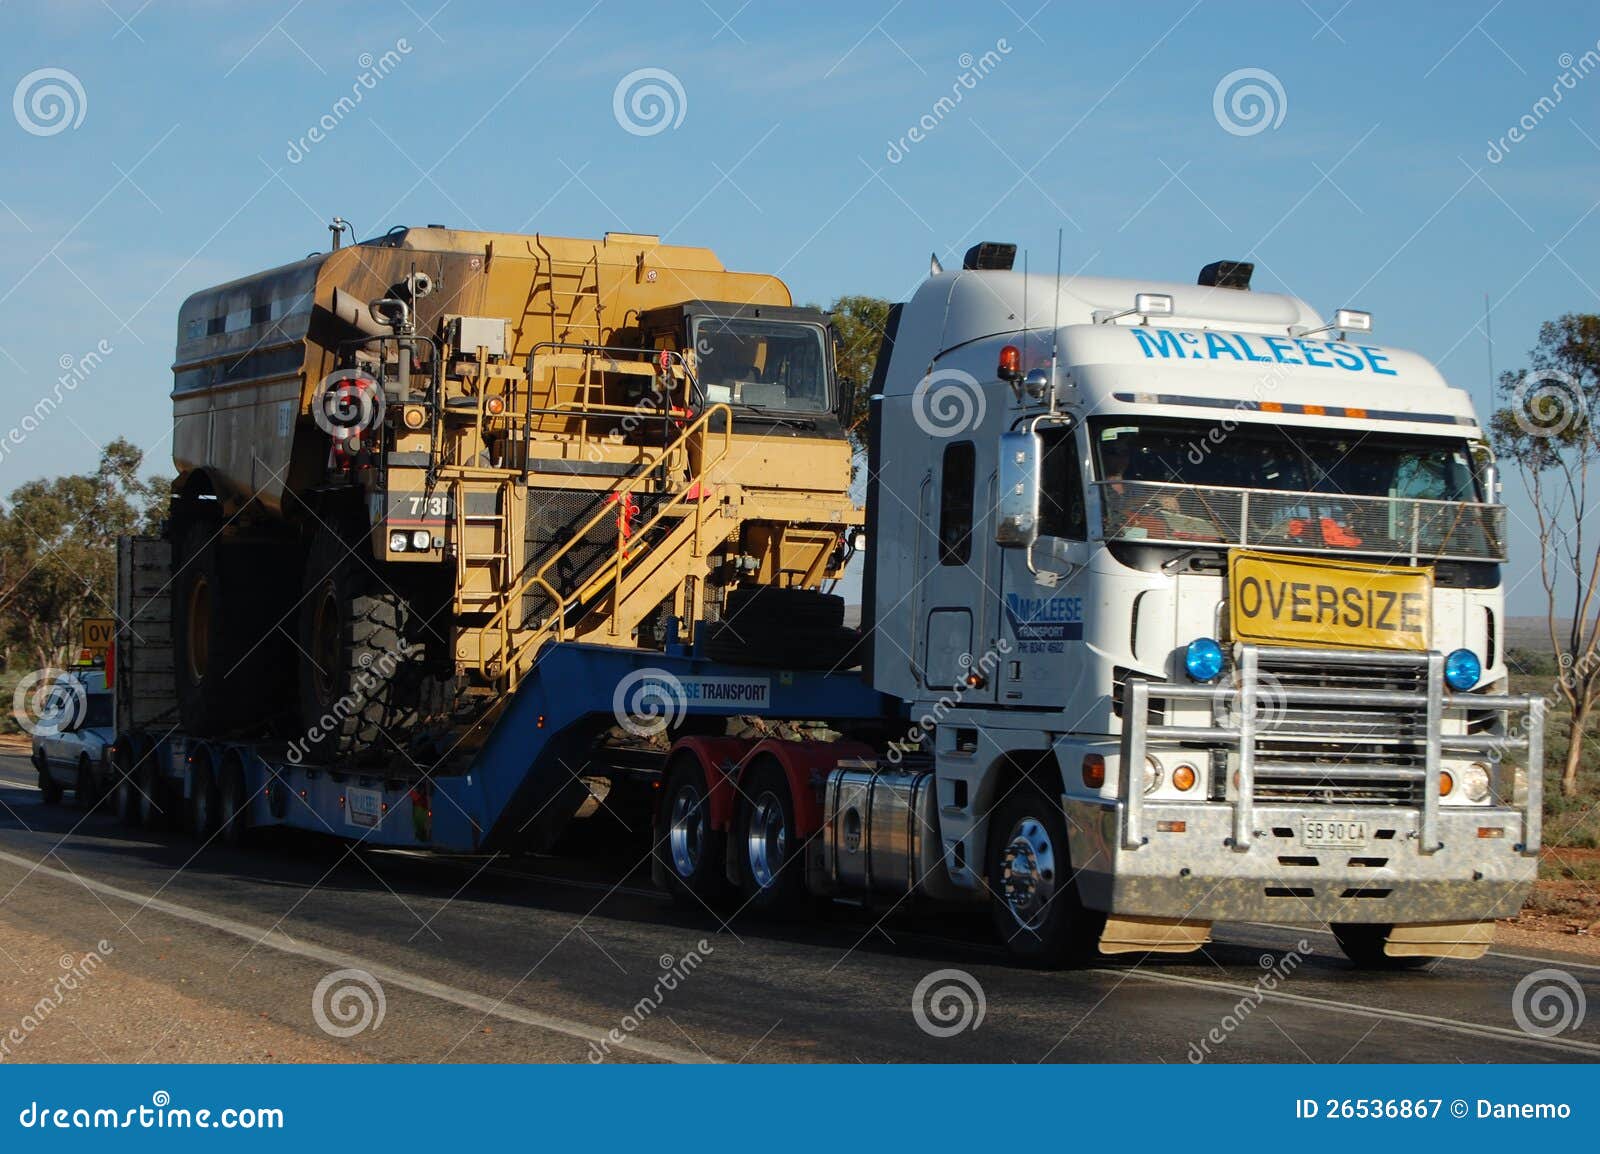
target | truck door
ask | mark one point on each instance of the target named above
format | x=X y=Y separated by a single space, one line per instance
x=952 y=562
x=1044 y=625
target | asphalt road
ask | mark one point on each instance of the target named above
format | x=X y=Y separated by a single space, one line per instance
x=539 y=959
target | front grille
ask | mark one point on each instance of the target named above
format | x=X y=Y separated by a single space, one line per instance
x=1343 y=754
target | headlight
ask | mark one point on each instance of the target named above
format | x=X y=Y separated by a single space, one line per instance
x=398 y=542
x=1203 y=659
x=421 y=539
x=1475 y=781
x=1462 y=670
x=1153 y=774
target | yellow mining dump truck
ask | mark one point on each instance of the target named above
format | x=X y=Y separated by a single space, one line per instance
x=405 y=465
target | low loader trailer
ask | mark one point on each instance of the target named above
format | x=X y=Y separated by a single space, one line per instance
x=1180 y=605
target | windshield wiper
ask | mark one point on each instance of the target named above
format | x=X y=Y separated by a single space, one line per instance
x=775 y=417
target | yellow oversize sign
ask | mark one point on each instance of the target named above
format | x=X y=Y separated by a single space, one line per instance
x=1278 y=599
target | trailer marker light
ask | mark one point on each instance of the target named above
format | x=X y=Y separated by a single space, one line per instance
x=1172 y=827
x=1462 y=670
x=1203 y=659
x=1184 y=777
x=1447 y=783
x=1487 y=831
x=1094 y=770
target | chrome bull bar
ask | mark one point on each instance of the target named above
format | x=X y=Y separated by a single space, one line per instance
x=1245 y=733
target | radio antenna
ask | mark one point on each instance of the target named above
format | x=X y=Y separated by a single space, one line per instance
x=1055 y=324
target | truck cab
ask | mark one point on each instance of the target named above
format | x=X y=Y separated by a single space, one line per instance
x=1198 y=600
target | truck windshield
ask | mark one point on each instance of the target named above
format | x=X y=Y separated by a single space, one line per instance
x=1285 y=487
x=762 y=364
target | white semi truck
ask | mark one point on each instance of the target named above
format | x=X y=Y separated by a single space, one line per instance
x=1180 y=605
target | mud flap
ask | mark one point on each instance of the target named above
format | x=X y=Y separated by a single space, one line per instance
x=1466 y=940
x=1130 y=935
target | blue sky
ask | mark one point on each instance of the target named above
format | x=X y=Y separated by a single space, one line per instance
x=185 y=160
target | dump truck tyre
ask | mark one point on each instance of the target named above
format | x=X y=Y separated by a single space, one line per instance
x=224 y=618
x=362 y=682
x=768 y=608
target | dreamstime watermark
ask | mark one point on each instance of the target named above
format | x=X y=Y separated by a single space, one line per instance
x=674 y=972
x=348 y=1002
x=48 y=101
x=1548 y=1002
x=948 y=1002
x=973 y=69
x=1275 y=972
x=1248 y=101
x=76 y=973
x=160 y=1114
x=649 y=701
x=75 y=370
x=1202 y=447
x=648 y=101
x=980 y=671
x=1573 y=69
x=49 y=702
x=373 y=674
x=947 y=403
x=1548 y=402
x=373 y=70
x=348 y=403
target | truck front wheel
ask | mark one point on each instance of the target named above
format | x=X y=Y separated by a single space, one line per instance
x=1032 y=896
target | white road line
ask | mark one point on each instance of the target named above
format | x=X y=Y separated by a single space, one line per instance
x=1427 y=1021
x=388 y=975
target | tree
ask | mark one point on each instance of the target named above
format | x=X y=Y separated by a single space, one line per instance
x=58 y=550
x=859 y=322
x=1547 y=427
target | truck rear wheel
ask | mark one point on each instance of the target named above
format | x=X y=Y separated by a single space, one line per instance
x=771 y=856
x=1032 y=896
x=226 y=646
x=364 y=683
x=690 y=852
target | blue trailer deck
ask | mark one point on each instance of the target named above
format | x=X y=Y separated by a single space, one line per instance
x=522 y=784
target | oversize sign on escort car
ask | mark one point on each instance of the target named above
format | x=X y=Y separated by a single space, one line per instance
x=1277 y=599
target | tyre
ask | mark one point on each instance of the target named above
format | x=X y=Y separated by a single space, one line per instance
x=48 y=789
x=1363 y=945
x=83 y=791
x=125 y=783
x=822 y=648
x=771 y=857
x=233 y=811
x=152 y=796
x=364 y=684
x=205 y=806
x=762 y=608
x=690 y=853
x=1033 y=898
x=227 y=649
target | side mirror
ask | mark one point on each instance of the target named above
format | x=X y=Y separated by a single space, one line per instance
x=1017 y=518
x=1491 y=484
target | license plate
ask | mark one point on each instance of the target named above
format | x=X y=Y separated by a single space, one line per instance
x=1320 y=833
x=362 y=806
x=1278 y=599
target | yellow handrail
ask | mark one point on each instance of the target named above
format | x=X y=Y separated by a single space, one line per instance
x=610 y=507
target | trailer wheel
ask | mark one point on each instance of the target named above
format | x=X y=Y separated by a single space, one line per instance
x=83 y=795
x=364 y=683
x=152 y=796
x=204 y=804
x=1033 y=898
x=771 y=856
x=233 y=807
x=1363 y=945
x=48 y=789
x=126 y=784
x=689 y=851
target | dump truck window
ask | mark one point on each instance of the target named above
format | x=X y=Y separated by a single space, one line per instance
x=1061 y=497
x=955 y=503
x=761 y=364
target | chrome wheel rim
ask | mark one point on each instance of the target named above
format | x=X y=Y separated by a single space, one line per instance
x=768 y=841
x=1028 y=872
x=686 y=831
